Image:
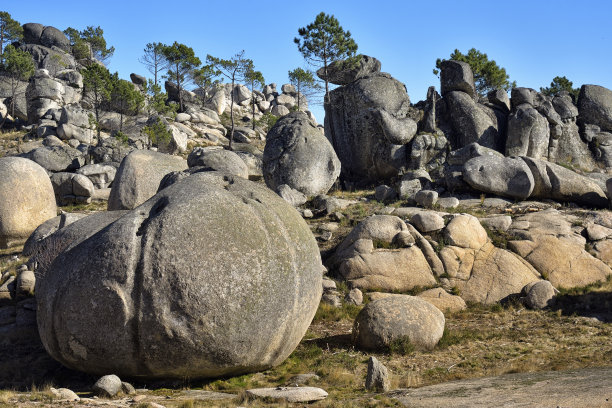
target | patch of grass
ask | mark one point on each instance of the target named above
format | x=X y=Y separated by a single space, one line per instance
x=452 y=337
x=500 y=239
x=94 y=206
x=327 y=312
x=401 y=346
x=381 y=244
x=6 y=396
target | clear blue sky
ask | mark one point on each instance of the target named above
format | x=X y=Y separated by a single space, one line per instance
x=534 y=40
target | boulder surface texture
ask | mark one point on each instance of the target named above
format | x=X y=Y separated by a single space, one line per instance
x=213 y=276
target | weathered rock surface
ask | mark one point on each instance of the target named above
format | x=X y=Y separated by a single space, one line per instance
x=139 y=176
x=290 y=394
x=236 y=299
x=348 y=71
x=472 y=122
x=595 y=106
x=456 y=76
x=397 y=317
x=377 y=378
x=26 y=201
x=504 y=176
x=222 y=160
x=443 y=300
x=528 y=133
x=297 y=154
x=365 y=266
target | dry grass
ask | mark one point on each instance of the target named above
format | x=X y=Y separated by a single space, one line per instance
x=9 y=141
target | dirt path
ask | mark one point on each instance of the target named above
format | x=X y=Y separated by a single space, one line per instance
x=578 y=388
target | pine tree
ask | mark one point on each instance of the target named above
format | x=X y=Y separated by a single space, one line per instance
x=235 y=70
x=10 y=31
x=97 y=87
x=305 y=83
x=181 y=65
x=254 y=78
x=154 y=60
x=559 y=84
x=323 y=42
x=488 y=76
x=16 y=66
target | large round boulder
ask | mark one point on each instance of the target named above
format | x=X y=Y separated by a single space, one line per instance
x=595 y=106
x=218 y=159
x=297 y=154
x=395 y=318
x=213 y=276
x=139 y=176
x=26 y=199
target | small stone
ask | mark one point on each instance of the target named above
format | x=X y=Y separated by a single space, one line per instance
x=337 y=216
x=498 y=222
x=331 y=298
x=540 y=294
x=127 y=388
x=302 y=379
x=448 y=202
x=290 y=394
x=325 y=236
x=427 y=221
x=598 y=232
x=307 y=213
x=355 y=296
x=426 y=198
x=328 y=285
x=377 y=378
x=64 y=394
x=25 y=284
x=107 y=386
x=138 y=398
x=384 y=193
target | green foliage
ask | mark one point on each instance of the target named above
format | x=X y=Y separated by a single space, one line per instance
x=325 y=41
x=253 y=78
x=92 y=37
x=97 y=88
x=204 y=76
x=10 y=31
x=234 y=69
x=401 y=346
x=305 y=83
x=559 y=84
x=153 y=58
x=182 y=62
x=267 y=120
x=488 y=75
x=17 y=66
x=330 y=313
x=122 y=138
x=157 y=133
x=156 y=101
x=127 y=100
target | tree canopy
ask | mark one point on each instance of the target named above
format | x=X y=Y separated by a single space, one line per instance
x=97 y=87
x=92 y=37
x=182 y=62
x=10 y=30
x=325 y=41
x=126 y=98
x=253 y=78
x=235 y=70
x=304 y=82
x=488 y=75
x=153 y=59
x=559 y=84
x=16 y=66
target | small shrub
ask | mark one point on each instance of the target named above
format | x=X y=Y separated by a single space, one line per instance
x=401 y=346
x=157 y=133
x=266 y=121
x=122 y=138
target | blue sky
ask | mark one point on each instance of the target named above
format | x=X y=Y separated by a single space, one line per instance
x=534 y=40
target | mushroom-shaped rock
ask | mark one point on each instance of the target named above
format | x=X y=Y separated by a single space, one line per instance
x=398 y=317
x=26 y=199
x=297 y=154
x=139 y=176
x=457 y=76
x=213 y=276
x=344 y=72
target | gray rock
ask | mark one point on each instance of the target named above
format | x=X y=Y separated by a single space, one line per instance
x=293 y=197
x=107 y=386
x=522 y=96
x=101 y=175
x=395 y=318
x=26 y=199
x=498 y=222
x=528 y=133
x=47 y=228
x=217 y=159
x=297 y=154
x=51 y=59
x=289 y=394
x=427 y=221
x=384 y=193
x=472 y=122
x=558 y=183
x=201 y=296
x=127 y=388
x=344 y=72
x=280 y=110
x=57 y=158
x=139 y=176
x=426 y=198
x=407 y=189
x=71 y=188
x=508 y=176
x=448 y=202
x=354 y=296
x=32 y=33
x=377 y=378
x=356 y=132
x=52 y=37
x=540 y=294
x=499 y=98
x=138 y=79
x=64 y=394
x=565 y=106
x=457 y=76
x=42 y=251
x=595 y=106
x=26 y=281
x=67 y=131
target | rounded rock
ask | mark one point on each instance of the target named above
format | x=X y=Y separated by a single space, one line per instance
x=396 y=317
x=213 y=276
x=26 y=199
